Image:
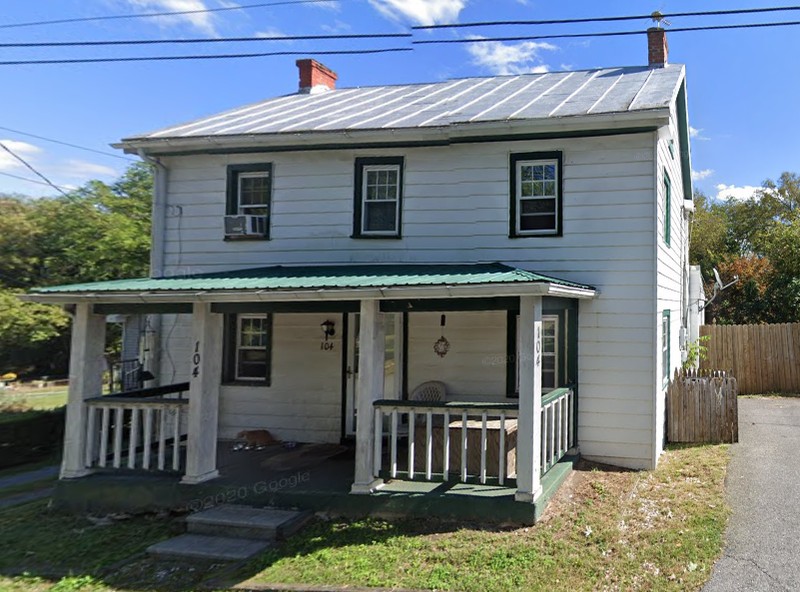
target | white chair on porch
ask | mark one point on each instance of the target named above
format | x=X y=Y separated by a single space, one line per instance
x=429 y=392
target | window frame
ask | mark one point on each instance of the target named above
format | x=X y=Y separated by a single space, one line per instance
x=233 y=347
x=517 y=160
x=667 y=207
x=665 y=347
x=376 y=163
x=233 y=207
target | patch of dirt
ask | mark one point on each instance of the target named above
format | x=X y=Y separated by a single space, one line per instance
x=588 y=483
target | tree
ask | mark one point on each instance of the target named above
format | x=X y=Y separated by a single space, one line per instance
x=99 y=232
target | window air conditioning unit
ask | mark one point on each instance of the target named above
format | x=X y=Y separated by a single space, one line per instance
x=244 y=225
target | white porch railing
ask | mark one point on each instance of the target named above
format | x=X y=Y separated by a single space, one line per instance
x=465 y=441
x=558 y=426
x=137 y=430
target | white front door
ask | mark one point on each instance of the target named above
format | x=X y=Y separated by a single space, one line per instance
x=392 y=365
x=351 y=370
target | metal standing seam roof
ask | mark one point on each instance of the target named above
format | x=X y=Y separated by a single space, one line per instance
x=279 y=278
x=453 y=102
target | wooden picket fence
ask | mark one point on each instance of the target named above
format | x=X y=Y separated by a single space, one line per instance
x=763 y=358
x=702 y=407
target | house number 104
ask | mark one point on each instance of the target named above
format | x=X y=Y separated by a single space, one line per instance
x=196 y=359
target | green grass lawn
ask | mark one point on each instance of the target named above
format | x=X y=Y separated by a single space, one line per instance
x=606 y=529
x=35 y=399
x=660 y=530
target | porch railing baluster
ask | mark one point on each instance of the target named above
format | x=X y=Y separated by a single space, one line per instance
x=501 y=469
x=428 y=444
x=393 y=459
x=133 y=438
x=483 y=447
x=463 y=445
x=411 y=439
x=91 y=436
x=147 y=437
x=104 y=436
x=119 y=423
x=446 y=451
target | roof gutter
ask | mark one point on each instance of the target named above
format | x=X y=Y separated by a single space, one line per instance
x=451 y=291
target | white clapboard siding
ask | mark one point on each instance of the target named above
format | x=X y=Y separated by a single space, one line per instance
x=300 y=404
x=475 y=364
x=455 y=209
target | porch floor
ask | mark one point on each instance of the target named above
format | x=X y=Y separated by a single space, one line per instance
x=310 y=477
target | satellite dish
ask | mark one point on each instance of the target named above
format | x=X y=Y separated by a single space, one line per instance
x=717 y=281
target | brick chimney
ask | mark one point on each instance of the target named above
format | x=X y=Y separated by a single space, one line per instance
x=657 y=49
x=314 y=77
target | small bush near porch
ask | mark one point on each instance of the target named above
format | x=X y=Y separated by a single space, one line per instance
x=605 y=529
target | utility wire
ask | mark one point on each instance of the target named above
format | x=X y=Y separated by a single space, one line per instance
x=21 y=178
x=209 y=40
x=30 y=167
x=203 y=57
x=607 y=34
x=607 y=19
x=14 y=131
x=159 y=14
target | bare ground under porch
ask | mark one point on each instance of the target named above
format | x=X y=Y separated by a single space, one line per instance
x=310 y=477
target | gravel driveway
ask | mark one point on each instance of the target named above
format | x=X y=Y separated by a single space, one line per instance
x=763 y=488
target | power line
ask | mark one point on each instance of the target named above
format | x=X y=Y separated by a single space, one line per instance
x=8 y=129
x=30 y=167
x=203 y=57
x=205 y=40
x=27 y=179
x=607 y=34
x=159 y=14
x=607 y=19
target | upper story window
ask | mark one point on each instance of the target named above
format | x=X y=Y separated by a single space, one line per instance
x=378 y=197
x=249 y=200
x=536 y=194
x=667 y=206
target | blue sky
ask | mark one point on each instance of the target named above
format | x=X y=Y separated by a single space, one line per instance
x=743 y=85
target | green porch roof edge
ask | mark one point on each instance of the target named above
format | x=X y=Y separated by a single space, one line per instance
x=320 y=277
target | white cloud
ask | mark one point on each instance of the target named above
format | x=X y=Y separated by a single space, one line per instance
x=270 y=32
x=421 y=12
x=700 y=175
x=23 y=149
x=501 y=58
x=696 y=133
x=82 y=169
x=203 y=21
x=735 y=192
x=337 y=27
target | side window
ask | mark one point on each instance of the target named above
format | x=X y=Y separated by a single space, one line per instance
x=550 y=360
x=249 y=201
x=665 y=369
x=248 y=348
x=378 y=197
x=667 y=206
x=536 y=194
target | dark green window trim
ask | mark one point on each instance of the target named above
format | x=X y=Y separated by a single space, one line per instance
x=232 y=193
x=358 y=197
x=667 y=207
x=230 y=351
x=513 y=213
x=665 y=347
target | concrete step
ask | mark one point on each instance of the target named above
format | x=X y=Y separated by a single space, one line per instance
x=210 y=548
x=247 y=523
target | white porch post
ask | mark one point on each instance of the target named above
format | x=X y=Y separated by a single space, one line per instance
x=205 y=378
x=529 y=425
x=86 y=365
x=371 y=344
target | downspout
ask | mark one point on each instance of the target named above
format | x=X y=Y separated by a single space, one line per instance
x=656 y=350
x=151 y=356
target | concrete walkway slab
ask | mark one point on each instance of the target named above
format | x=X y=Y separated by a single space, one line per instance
x=211 y=548
x=763 y=488
x=26 y=477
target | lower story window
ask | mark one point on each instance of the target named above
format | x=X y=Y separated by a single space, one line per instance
x=249 y=343
x=665 y=369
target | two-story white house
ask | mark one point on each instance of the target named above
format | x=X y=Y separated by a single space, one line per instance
x=516 y=245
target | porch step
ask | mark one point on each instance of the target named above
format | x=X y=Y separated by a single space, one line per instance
x=246 y=522
x=230 y=533
x=212 y=548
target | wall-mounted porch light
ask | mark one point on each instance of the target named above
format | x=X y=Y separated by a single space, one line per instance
x=442 y=346
x=328 y=329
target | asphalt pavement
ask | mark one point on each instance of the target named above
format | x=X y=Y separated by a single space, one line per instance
x=762 y=543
